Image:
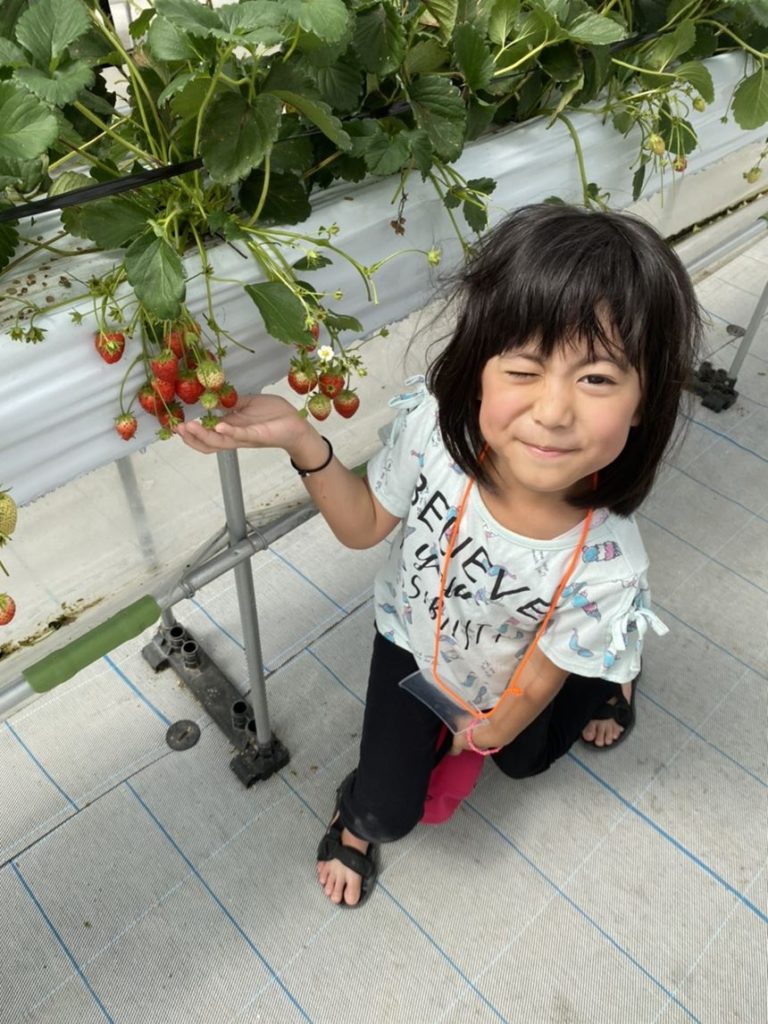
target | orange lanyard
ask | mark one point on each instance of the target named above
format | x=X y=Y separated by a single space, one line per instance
x=512 y=685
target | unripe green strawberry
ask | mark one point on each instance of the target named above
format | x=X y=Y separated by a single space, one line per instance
x=699 y=104
x=8 y=516
x=210 y=420
x=210 y=374
x=656 y=144
x=209 y=399
x=319 y=406
x=752 y=174
x=679 y=163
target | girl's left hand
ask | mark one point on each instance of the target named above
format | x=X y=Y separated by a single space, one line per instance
x=482 y=737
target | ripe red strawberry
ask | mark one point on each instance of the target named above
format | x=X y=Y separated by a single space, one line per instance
x=110 y=345
x=174 y=340
x=166 y=389
x=7 y=609
x=319 y=406
x=171 y=415
x=346 y=403
x=147 y=397
x=188 y=387
x=165 y=366
x=330 y=383
x=126 y=425
x=302 y=378
x=227 y=396
x=210 y=374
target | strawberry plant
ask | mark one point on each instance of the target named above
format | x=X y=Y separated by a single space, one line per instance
x=227 y=121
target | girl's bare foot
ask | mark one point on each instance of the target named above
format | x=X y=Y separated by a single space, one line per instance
x=340 y=883
x=605 y=731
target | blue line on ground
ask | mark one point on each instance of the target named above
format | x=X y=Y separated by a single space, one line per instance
x=711 y=558
x=410 y=916
x=60 y=941
x=561 y=892
x=131 y=685
x=671 y=839
x=40 y=765
x=698 y=632
x=727 y=437
x=689 y=728
x=332 y=673
x=217 y=624
x=722 y=494
x=306 y=579
x=249 y=942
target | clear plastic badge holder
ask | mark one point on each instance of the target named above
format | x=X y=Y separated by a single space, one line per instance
x=422 y=684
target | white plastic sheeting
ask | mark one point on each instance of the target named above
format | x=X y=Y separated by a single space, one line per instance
x=58 y=399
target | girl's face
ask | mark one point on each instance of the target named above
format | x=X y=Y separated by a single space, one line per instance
x=552 y=422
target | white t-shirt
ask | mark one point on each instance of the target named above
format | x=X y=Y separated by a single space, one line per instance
x=500 y=584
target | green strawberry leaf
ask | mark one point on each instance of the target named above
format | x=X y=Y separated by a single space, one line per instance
x=27 y=127
x=61 y=86
x=472 y=56
x=386 y=154
x=169 y=42
x=138 y=27
x=421 y=149
x=380 y=39
x=750 y=101
x=444 y=13
x=112 y=223
x=48 y=27
x=595 y=30
x=698 y=75
x=342 y=323
x=502 y=21
x=253 y=21
x=286 y=203
x=190 y=16
x=283 y=314
x=671 y=45
x=424 y=56
x=314 y=262
x=10 y=54
x=237 y=135
x=439 y=109
x=326 y=19
x=341 y=85
x=318 y=113
x=156 y=273
x=638 y=179
x=68 y=181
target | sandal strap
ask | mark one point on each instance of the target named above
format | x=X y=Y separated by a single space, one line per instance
x=332 y=848
x=620 y=712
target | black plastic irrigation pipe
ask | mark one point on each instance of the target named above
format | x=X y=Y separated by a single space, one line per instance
x=89 y=193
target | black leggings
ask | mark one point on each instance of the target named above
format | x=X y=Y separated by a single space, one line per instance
x=384 y=799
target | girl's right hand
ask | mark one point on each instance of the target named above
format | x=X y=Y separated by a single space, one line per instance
x=257 y=421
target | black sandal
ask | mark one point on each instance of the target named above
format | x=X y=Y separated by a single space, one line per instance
x=622 y=711
x=364 y=864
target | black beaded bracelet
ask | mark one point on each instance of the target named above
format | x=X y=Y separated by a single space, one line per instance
x=309 y=472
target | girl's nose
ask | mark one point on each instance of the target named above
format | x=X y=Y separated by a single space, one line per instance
x=552 y=406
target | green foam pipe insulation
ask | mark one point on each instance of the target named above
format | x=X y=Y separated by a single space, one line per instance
x=61 y=665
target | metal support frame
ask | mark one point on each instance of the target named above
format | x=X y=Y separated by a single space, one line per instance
x=239 y=709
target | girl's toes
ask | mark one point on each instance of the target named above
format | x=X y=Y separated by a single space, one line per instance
x=589 y=731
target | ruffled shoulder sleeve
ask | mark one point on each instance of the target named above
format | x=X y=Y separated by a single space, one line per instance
x=394 y=472
x=600 y=627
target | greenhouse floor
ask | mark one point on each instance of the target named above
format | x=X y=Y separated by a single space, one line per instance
x=144 y=885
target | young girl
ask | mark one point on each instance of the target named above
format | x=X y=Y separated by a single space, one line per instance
x=517 y=584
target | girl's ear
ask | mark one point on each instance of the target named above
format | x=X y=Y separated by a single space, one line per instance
x=637 y=419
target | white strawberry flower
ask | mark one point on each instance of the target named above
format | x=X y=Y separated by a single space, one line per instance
x=325 y=353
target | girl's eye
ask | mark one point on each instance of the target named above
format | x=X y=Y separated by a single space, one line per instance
x=597 y=378
x=519 y=374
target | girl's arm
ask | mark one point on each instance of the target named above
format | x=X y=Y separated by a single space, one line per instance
x=268 y=421
x=541 y=681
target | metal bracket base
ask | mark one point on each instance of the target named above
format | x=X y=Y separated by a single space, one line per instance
x=178 y=649
x=715 y=388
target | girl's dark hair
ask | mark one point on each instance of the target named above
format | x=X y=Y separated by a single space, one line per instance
x=555 y=272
